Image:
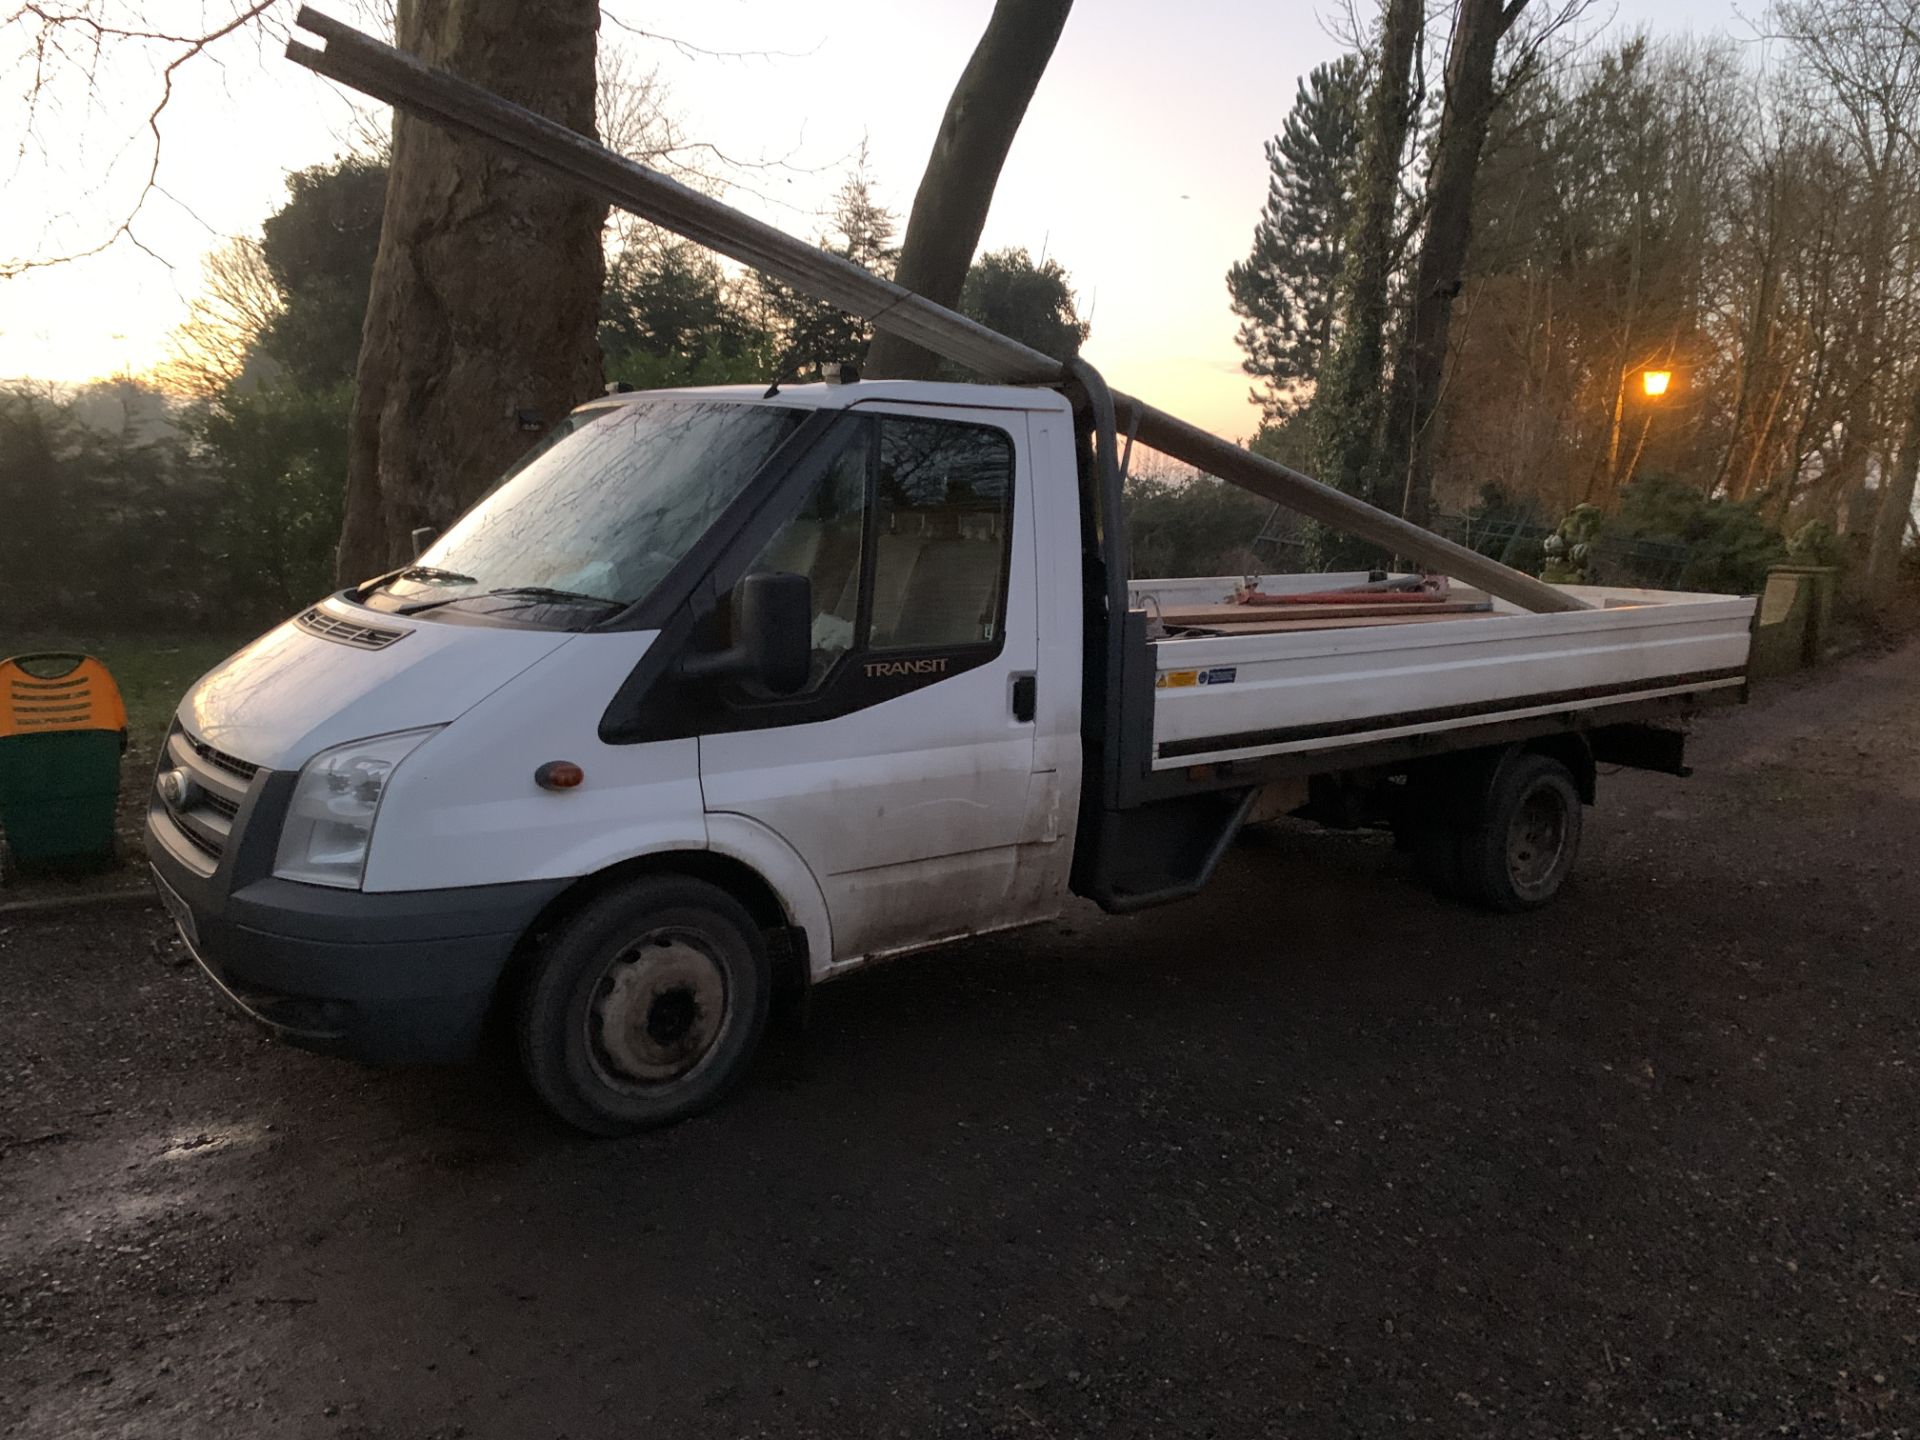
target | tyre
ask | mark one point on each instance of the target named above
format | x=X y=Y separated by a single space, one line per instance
x=645 y=1006
x=1519 y=849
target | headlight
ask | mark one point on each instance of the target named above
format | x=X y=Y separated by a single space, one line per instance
x=330 y=822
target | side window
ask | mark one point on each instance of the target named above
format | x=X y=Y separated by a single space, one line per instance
x=824 y=543
x=943 y=508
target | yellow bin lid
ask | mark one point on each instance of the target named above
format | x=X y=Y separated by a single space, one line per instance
x=62 y=691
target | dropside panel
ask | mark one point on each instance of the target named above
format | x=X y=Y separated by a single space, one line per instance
x=1247 y=696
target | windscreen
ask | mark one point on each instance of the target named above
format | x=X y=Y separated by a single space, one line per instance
x=599 y=518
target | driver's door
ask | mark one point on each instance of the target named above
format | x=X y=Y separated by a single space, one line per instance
x=904 y=773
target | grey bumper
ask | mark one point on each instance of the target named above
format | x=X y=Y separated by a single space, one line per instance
x=407 y=975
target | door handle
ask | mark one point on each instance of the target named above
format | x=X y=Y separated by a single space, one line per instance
x=1026 y=697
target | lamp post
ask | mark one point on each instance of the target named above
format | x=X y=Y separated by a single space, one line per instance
x=1654 y=385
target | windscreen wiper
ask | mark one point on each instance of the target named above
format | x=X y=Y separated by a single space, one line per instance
x=525 y=592
x=433 y=575
x=430 y=574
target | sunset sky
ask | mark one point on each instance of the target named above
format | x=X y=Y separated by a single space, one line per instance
x=1139 y=166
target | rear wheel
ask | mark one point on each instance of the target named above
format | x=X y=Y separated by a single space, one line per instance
x=1521 y=848
x=645 y=1006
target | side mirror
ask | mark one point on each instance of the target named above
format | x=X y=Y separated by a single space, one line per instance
x=773 y=640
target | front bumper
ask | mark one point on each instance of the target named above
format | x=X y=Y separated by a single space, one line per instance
x=398 y=976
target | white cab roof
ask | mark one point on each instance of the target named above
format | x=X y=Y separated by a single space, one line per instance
x=841 y=397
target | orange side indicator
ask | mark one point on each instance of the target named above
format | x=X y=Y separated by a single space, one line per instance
x=558 y=775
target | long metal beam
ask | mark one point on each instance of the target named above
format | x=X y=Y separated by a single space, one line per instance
x=402 y=80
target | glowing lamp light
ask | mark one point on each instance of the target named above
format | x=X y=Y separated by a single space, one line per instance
x=1655 y=382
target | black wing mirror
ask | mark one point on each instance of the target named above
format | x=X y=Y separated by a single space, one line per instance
x=773 y=635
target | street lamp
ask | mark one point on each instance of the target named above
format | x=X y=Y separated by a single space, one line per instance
x=1653 y=383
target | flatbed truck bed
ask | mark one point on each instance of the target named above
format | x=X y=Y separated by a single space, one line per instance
x=1321 y=686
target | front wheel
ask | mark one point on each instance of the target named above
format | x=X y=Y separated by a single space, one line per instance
x=645 y=1006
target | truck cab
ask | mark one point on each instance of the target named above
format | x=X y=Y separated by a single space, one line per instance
x=808 y=660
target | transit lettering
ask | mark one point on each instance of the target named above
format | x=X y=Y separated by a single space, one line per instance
x=877 y=669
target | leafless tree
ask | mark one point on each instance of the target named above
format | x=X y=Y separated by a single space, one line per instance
x=237 y=302
x=61 y=47
x=1864 y=59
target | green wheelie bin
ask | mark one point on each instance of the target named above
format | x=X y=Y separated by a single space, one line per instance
x=63 y=728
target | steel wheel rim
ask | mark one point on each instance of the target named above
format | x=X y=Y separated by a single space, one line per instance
x=659 y=1011
x=1537 y=839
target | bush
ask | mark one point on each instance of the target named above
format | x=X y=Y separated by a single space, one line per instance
x=99 y=518
x=1666 y=535
x=278 y=453
x=1815 y=543
x=1191 y=526
x=1730 y=548
x=228 y=510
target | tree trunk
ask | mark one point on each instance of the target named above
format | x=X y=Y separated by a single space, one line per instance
x=480 y=328
x=1347 y=404
x=1896 y=511
x=950 y=207
x=1443 y=250
x=1756 y=342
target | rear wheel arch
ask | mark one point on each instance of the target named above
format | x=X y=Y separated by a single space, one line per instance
x=1573 y=751
x=1464 y=778
x=1459 y=812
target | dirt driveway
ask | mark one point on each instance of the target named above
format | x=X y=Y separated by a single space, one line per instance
x=1313 y=1155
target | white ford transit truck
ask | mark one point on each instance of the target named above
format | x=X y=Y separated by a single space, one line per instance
x=723 y=690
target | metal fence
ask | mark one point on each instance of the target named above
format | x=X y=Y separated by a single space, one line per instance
x=1513 y=538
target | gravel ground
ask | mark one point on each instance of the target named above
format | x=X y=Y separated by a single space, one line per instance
x=1315 y=1154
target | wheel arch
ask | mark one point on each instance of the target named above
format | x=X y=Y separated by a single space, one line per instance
x=1464 y=778
x=793 y=943
x=1573 y=751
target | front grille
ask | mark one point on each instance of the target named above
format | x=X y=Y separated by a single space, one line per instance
x=229 y=763
x=213 y=850
x=216 y=783
x=316 y=621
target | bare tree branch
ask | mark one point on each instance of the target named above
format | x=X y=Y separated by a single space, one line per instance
x=691 y=50
x=237 y=302
x=93 y=21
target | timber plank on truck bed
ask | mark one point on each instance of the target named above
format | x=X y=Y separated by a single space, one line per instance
x=1274 y=624
x=1269 y=614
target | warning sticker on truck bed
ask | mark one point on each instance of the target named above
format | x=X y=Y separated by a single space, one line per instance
x=1181 y=679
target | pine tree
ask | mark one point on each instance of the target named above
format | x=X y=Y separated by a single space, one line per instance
x=809 y=330
x=1284 y=291
x=672 y=316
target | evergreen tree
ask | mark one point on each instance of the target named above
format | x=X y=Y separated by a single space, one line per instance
x=1349 y=410
x=1032 y=303
x=671 y=316
x=809 y=330
x=319 y=249
x=1284 y=291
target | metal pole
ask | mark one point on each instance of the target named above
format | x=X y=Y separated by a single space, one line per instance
x=403 y=80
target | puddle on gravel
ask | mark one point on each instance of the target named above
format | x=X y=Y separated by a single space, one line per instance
x=201 y=1143
x=102 y=1190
